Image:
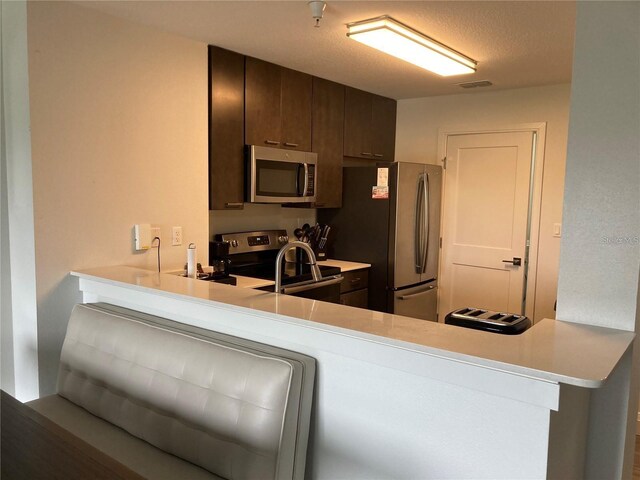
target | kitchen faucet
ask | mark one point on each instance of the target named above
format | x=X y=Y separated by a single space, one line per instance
x=315 y=270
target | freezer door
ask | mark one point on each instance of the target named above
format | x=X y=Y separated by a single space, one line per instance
x=418 y=302
x=407 y=236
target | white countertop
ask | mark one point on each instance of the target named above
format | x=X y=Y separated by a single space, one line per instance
x=551 y=350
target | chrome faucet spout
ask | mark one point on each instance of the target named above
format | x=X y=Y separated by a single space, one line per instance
x=315 y=270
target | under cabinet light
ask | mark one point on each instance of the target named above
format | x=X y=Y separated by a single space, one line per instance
x=392 y=37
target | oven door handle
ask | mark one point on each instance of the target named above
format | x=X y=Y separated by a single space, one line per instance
x=310 y=284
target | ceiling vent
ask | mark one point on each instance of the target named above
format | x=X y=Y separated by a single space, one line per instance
x=479 y=83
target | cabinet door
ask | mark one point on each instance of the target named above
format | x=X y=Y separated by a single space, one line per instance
x=296 y=110
x=226 y=129
x=383 y=139
x=327 y=140
x=357 y=298
x=357 y=123
x=262 y=103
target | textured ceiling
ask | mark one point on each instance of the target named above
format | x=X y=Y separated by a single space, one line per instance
x=516 y=43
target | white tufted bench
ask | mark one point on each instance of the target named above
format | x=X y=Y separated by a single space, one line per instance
x=172 y=401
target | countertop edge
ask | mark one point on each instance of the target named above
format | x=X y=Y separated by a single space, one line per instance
x=421 y=348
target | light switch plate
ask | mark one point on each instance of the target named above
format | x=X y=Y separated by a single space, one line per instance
x=557 y=229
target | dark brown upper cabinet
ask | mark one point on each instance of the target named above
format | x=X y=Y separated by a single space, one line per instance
x=226 y=129
x=369 y=125
x=277 y=106
x=327 y=138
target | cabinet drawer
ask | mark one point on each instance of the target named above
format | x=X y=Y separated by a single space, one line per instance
x=358 y=298
x=354 y=280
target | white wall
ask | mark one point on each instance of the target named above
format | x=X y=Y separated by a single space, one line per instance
x=417 y=141
x=119 y=136
x=18 y=310
x=600 y=258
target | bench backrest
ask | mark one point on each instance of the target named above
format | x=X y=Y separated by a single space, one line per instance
x=231 y=406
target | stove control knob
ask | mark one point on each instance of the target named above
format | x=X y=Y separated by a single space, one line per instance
x=234 y=243
x=283 y=239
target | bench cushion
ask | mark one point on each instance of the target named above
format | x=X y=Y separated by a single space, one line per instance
x=214 y=404
x=136 y=454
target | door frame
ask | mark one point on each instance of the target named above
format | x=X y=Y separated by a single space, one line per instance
x=539 y=130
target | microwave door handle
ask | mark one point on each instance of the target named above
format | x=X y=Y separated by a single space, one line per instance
x=306 y=180
x=298 y=180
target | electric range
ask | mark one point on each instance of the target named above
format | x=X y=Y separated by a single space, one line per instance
x=253 y=254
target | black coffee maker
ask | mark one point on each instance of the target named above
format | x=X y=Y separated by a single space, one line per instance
x=219 y=260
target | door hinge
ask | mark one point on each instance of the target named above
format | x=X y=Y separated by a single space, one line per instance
x=444 y=163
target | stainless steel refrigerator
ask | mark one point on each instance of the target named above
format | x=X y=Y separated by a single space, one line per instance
x=396 y=229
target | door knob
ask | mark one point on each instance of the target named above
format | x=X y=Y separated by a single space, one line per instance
x=516 y=261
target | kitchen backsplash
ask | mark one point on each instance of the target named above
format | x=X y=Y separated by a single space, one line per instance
x=257 y=216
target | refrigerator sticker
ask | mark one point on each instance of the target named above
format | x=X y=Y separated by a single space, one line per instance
x=383 y=177
x=379 y=192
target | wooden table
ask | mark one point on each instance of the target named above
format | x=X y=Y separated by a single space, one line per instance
x=34 y=447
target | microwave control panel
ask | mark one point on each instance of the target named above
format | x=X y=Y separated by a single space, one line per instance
x=311 y=175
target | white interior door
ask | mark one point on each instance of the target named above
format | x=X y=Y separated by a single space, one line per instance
x=485 y=211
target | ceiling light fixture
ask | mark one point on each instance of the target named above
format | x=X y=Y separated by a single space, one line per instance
x=392 y=37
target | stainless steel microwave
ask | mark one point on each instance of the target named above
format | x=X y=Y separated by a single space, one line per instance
x=280 y=176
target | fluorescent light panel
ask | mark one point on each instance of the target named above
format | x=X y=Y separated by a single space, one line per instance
x=392 y=37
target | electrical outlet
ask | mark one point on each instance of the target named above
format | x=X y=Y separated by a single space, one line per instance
x=176 y=236
x=155 y=232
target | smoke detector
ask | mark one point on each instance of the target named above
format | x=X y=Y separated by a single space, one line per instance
x=317 y=10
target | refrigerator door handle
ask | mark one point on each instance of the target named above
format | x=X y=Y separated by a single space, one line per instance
x=418 y=225
x=425 y=220
x=413 y=295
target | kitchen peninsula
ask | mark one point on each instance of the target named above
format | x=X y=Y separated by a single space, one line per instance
x=400 y=397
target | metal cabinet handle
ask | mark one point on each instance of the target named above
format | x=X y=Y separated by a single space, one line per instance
x=287 y=144
x=516 y=261
x=379 y=155
x=354 y=281
x=233 y=205
x=271 y=142
x=368 y=154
